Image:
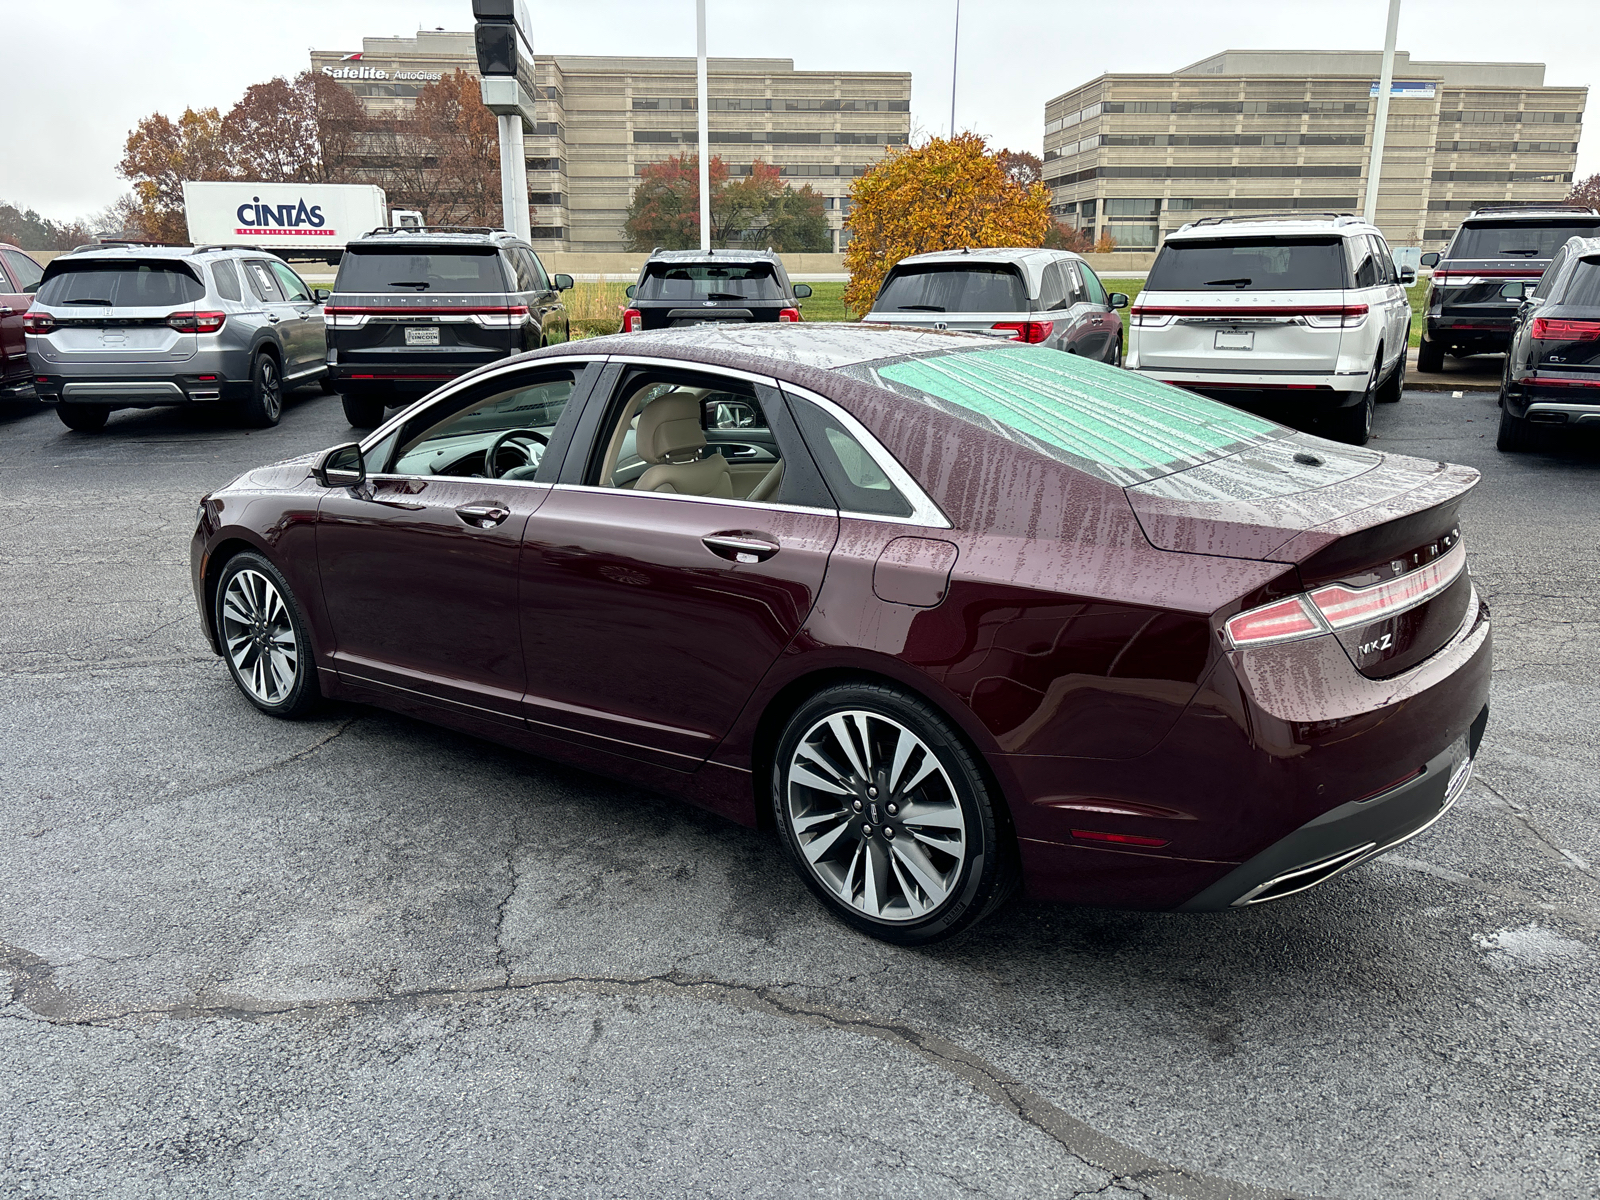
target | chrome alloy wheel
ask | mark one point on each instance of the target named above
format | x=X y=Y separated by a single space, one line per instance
x=876 y=816
x=259 y=637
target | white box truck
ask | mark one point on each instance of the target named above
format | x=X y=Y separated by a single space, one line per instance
x=297 y=218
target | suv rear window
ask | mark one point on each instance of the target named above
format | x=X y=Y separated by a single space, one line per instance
x=120 y=284
x=401 y=269
x=709 y=281
x=957 y=288
x=1510 y=239
x=1265 y=264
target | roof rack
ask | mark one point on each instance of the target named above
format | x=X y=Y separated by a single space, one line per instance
x=1562 y=206
x=435 y=229
x=1338 y=217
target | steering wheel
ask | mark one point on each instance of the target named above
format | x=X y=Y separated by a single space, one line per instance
x=492 y=458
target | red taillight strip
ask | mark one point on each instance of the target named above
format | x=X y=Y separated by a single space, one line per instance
x=512 y=309
x=1250 y=310
x=1537 y=380
x=1553 y=329
x=1124 y=839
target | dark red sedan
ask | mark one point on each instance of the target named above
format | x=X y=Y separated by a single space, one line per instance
x=947 y=613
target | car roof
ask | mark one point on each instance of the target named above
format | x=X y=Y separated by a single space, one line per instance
x=1215 y=229
x=698 y=256
x=144 y=251
x=399 y=236
x=824 y=345
x=1018 y=255
x=1531 y=212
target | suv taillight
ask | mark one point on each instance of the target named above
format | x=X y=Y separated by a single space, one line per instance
x=1032 y=332
x=495 y=317
x=788 y=314
x=1347 y=317
x=37 y=322
x=197 y=322
x=1547 y=329
x=632 y=321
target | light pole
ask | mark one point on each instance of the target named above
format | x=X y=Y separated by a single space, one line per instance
x=705 y=124
x=1380 y=126
x=955 y=57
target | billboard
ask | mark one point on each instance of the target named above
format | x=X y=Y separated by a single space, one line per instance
x=293 y=217
x=1402 y=89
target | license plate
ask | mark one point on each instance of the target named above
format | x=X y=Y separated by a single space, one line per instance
x=423 y=335
x=1235 y=340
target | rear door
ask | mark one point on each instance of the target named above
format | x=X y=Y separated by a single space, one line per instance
x=283 y=316
x=13 y=303
x=304 y=339
x=1389 y=298
x=1485 y=255
x=114 y=312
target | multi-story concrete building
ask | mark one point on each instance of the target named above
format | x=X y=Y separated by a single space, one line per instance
x=602 y=119
x=1245 y=131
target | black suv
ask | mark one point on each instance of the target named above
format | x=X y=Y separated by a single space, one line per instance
x=412 y=308
x=692 y=287
x=1552 y=375
x=1466 y=314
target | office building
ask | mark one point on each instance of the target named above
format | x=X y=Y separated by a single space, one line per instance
x=601 y=119
x=1135 y=156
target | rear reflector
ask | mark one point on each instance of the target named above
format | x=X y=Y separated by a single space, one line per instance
x=1121 y=839
x=1548 y=329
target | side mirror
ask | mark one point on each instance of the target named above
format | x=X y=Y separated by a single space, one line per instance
x=563 y=283
x=342 y=466
x=1514 y=291
x=1430 y=259
x=632 y=290
x=802 y=291
x=1118 y=299
x=319 y=294
x=1408 y=276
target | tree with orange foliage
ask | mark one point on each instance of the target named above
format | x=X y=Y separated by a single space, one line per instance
x=160 y=154
x=946 y=194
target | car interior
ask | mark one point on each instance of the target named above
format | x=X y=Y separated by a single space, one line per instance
x=501 y=436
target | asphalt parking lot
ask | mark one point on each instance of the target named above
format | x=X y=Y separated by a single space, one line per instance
x=360 y=956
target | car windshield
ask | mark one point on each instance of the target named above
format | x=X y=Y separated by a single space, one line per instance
x=1113 y=424
x=958 y=288
x=121 y=285
x=1511 y=239
x=1264 y=264
x=399 y=270
x=709 y=281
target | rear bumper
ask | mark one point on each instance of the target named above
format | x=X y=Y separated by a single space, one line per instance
x=398 y=381
x=1319 y=391
x=137 y=392
x=1470 y=331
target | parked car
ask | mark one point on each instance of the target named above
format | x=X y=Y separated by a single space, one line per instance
x=698 y=287
x=412 y=309
x=1465 y=312
x=138 y=325
x=19 y=277
x=1552 y=373
x=991 y=612
x=1304 y=308
x=1042 y=297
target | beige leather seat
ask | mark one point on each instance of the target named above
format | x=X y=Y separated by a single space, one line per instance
x=669 y=437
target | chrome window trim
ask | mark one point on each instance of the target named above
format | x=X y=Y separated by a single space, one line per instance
x=923 y=510
x=684 y=496
x=391 y=477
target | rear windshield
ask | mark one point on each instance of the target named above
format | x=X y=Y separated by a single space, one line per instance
x=400 y=270
x=1506 y=239
x=953 y=289
x=1116 y=425
x=709 y=281
x=1250 y=265
x=121 y=285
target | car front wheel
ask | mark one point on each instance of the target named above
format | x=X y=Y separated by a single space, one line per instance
x=887 y=816
x=263 y=637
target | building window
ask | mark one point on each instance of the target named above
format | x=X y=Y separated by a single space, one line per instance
x=1132 y=208
x=545 y=233
x=1133 y=237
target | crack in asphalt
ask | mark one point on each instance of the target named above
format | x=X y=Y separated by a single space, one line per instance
x=33 y=985
x=1525 y=819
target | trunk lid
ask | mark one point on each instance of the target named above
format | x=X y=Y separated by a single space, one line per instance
x=118 y=335
x=1254 y=332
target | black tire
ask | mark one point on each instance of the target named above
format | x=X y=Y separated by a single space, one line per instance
x=326 y=384
x=1394 y=387
x=1516 y=433
x=264 y=408
x=363 y=412
x=245 y=646
x=965 y=879
x=85 y=418
x=1430 y=356
x=1353 y=425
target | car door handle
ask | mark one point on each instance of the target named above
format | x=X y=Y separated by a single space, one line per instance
x=7 y=311
x=741 y=547
x=484 y=516
x=273 y=318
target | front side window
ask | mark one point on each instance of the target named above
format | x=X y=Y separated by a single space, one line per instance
x=121 y=285
x=25 y=273
x=953 y=288
x=501 y=435
x=1266 y=264
x=293 y=286
x=1552 y=274
x=1091 y=281
x=262 y=282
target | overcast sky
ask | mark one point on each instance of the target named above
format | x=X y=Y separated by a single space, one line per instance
x=82 y=73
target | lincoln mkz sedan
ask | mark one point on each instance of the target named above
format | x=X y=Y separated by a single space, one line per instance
x=948 y=615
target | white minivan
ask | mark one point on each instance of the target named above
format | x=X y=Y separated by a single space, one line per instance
x=1302 y=308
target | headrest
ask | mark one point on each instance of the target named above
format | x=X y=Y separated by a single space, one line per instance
x=669 y=429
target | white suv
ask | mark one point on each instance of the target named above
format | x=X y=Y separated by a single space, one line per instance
x=1304 y=308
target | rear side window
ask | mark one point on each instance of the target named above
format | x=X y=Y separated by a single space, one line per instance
x=401 y=270
x=121 y=285
x=1582 y=288
x=1054 y=288
x=1508 y=239
x=857 y=482
x=227 y=280
x=709 y=281
x=1366 y=262
x=24 y=271
x=956 y=288
x=1267 y=264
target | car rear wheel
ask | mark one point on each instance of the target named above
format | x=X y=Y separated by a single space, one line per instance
x=263 y=637
x=887 y=816
x=1516 y=433
x=1353 y=425
x=1430 y=356
x=264 y=408
x=1394 y=387
x=85 y=418
x=363 y=412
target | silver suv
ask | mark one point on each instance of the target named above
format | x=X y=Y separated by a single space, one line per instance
x=134 y=325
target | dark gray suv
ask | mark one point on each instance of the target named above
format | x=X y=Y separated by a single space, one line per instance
x=137 y=325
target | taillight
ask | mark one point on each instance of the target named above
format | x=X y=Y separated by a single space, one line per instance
x=1149 y=320
x=1347 y=317
x=1032 y=332
x=499 y=318
x=37 y=322
x=1337 y=606
x=344 y=318
x=632 y=321
x=197 y=322
x=1547 y=329
x=788 y=314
